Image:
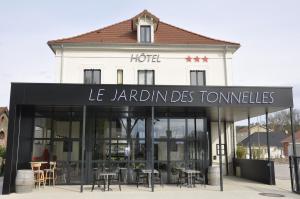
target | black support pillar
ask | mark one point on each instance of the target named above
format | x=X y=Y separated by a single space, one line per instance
x=249 y=138
x=152 y=148
x=295 y=162
x=220 y=150
x=225 y=147
x=268 y=146
x=83 y=148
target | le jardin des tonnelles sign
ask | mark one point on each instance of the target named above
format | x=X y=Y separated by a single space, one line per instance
x=167 y=96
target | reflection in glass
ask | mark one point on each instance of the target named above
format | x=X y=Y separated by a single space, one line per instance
x=177 y=150
x=102 y=128
x=42 y=128
x=191 y=128
x=138 y=131
x=160 y=128
x=101 y=150
x=118 y=128
x=160 y=151
x=177 y=128
x=40 y=150
x=61 y=129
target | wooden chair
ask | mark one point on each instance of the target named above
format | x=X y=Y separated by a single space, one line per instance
x=50 y=173
x=38 y=174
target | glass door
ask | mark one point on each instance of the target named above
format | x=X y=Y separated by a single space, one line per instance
x=66 y=145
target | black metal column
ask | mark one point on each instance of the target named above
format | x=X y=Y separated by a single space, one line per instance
x=268 y=146
x=249 y=137
x=294 y=160
x=152 y=148
x=220 y=150
x=83 y=148
x=233 y=140
x=225 y=147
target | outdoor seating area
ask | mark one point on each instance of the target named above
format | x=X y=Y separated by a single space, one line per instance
x=104 y=178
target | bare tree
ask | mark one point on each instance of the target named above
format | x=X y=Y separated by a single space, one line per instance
x=281 y=121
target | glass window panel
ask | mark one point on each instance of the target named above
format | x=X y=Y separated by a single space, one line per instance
x=176 y=150
x=138 y=150
x=193 y=78
x=142 y=34
x=199 y=125
x=200 y=78
x=141 y=77
x=61 y=129
x=75 y=129
x=145 y=34
x=138 y=131
x=120 y=77
x=191 y=150
x=119 y=150
x=191 y=128
x=160 y=128
x=160 y=151
x=60 y=150
x=42 y=128
x=118 y=128
x=75 y=150
x=150 y=77
x=102 y=128
x=88 y=77
x=96 y=76
x=101 y=150
x=177 y=128
x=40 y=150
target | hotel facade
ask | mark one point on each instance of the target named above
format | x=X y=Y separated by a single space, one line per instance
x=140 y=93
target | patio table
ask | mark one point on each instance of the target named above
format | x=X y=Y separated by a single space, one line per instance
x=149 y=173
x=106 y=176
x=190 y=173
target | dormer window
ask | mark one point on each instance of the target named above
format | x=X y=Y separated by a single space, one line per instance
x=145 y=34
x=145 y=25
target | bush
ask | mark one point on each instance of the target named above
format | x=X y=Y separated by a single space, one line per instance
x=241 y=152
x=257 y=153
x=2 y=152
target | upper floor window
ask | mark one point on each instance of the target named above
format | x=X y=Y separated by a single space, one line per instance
x=92 y=76
x=197 y=77
x=120 y=76
x=145 y=34
x=146 y=77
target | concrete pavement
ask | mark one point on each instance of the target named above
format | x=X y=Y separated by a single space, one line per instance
x=234 y=188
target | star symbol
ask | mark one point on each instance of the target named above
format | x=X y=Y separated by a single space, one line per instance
x=205 y=59
x=196 y=59
x=188 y=59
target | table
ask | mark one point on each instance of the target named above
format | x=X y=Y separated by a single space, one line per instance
x=106 y=175
x=124 y=180
x=190 y=173
x=149 y=173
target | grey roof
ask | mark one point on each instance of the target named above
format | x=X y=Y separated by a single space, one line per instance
x=260 y=138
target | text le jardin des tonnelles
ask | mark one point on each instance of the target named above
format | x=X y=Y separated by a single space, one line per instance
x=181 y=96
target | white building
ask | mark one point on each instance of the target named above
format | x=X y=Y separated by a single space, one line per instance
x=145 y=50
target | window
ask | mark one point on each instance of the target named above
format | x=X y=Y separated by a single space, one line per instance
x=92 y=76
x=2 y=135
x=119 y=76
x=145 y=34
x=197 y=77
x=146 y=77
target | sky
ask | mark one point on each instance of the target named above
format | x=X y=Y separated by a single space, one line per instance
x=268 y=31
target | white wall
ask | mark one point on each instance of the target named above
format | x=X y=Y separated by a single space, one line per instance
x=173 y=69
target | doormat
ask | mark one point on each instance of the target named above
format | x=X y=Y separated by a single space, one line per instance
x=272 y=195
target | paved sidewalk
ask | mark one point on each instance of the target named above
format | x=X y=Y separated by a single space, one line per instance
x=234 y=188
